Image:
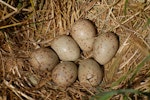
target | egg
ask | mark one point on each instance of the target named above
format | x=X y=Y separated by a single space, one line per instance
x=66 y=48
x=105 y=47
x=83 y=32
x=90 y=72
x=44 y=58
x=64 y=74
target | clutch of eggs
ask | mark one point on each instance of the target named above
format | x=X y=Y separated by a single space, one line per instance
x=67 y=49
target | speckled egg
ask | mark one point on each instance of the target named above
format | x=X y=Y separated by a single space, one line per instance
x=83 y=31
x=90 y=72
x=64 y=74
x=66 y=48
x=44 y=58
x=105 y=47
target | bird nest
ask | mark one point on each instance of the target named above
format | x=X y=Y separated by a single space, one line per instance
x=26 y=25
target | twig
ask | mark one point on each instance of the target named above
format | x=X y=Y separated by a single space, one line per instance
x=8 y=15
x=17 y=92
x=16 y=24
x=131 y=17
x=8 y=5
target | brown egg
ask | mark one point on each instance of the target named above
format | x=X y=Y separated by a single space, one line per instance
x=44 y=58
x=64 y=74
x=105 y=47
x=66 y=48
x=90 y=72
x=83 y=32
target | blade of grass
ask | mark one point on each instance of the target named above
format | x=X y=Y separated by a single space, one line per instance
x=139 y=67
x=121 y=79
x=125 y=97
x=134 y=72
x=32 y=4
x=147 y=23
x=114 y=68
x=109 y=94
x=125 y=7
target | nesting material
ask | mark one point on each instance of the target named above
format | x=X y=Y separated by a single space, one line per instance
x=26 y=25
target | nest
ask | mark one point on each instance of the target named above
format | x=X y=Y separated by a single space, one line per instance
x=29 y=24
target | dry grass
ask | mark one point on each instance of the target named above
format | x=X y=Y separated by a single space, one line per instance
x=30 y=24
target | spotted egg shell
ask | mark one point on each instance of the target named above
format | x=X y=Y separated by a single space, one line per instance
x=44 y=58
x=90 y=72
x=66 y=48
x=64 y=74
x=83 y=31
x=105 y=47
